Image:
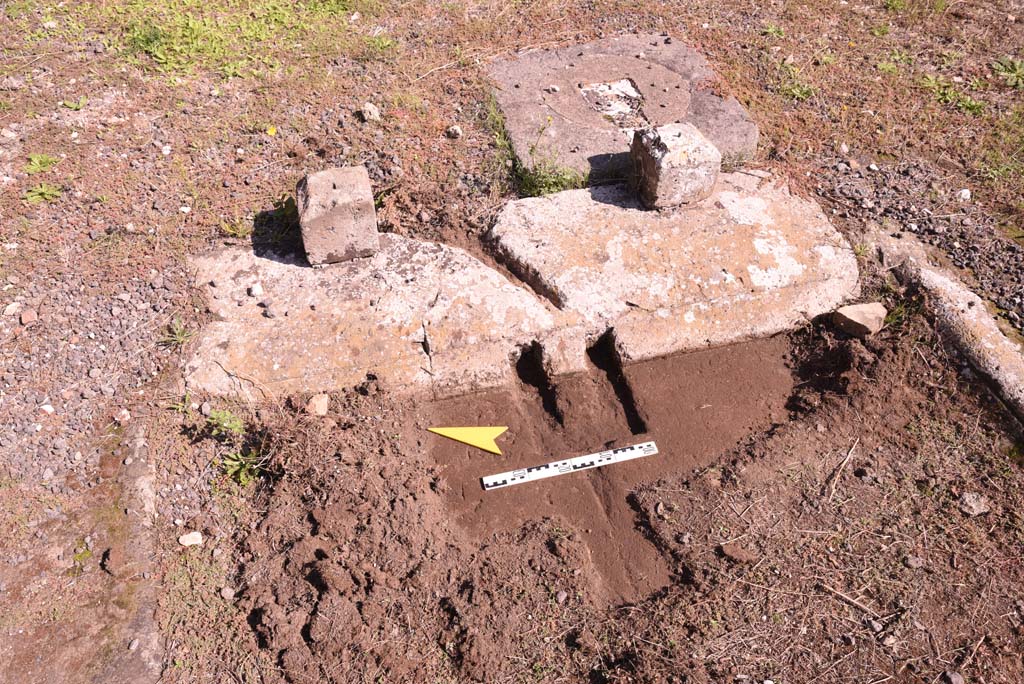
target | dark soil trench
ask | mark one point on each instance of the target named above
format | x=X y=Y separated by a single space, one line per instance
x=695 y=406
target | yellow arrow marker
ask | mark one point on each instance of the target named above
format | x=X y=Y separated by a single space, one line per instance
x=480 y=437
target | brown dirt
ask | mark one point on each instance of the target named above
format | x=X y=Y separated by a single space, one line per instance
x=714 y=400
x=742 y=549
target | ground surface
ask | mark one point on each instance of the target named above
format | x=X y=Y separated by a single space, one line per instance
x=807 y=518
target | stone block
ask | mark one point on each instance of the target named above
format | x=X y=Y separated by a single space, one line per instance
x=578 y=106
x=419 y=316
x=749 y=261
x=673 y=165
x=337 y=216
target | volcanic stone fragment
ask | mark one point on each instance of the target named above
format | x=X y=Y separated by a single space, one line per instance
x=673 y=165
x=337 y=216
x=860 y=320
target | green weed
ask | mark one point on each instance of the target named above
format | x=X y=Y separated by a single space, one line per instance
x=75 y=105
x=1011 y=71
x=881 y=31
x=379 y=47
x=44 y=192
x=546 y=177
x=772 y=31
x=223 y=423
x=244 y=466
x=900 y=57
x=798 y=91
x=895 y=5
x=176 y=335
x=183 y=405
x=38 y=163
x=951 y=58
x=825 y=59
x=946 y=93
x=887 y=67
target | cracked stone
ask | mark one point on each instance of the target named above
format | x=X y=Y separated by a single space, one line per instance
x=751 y=260
x=370 y=317
x=580 y=104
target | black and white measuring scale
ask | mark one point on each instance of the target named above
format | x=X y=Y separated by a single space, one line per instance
x=569 y=465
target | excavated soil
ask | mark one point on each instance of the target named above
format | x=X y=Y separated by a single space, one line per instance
x=694 y=406
x=807 y=495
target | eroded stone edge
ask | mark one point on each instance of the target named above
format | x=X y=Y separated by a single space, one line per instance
x=960 y=314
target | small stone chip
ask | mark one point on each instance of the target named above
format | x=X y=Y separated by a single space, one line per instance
x=370 y=112
x=974 y=504
x=194 y=538
x=318 y=405
x=860 y=320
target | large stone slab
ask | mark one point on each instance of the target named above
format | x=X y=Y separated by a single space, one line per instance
x=749 y=261
x=578 y=106
x=418 y=316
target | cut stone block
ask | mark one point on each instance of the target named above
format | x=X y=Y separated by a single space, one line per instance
x=673 y=165
x=337 y=216
x=578 y=106
x=416 y=315
x=751 y=260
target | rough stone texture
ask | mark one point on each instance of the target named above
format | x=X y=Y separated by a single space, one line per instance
x=673 y=165
x=415 y=315
x=564 y=352
x=569 y=106
x=962 y=316
x=337 y=216
x=749 y=261
x=860 y=320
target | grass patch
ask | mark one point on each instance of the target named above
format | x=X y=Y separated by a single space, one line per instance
x=232 y=38
x=379 y=47
x=546 y=177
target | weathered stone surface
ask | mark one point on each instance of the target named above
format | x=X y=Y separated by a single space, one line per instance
x=860 y=320
x=751 y=260
x=673 y=165
x=578 y=106
x=962 y=316
x=416 y=315
x=564 y=351
x=337 y=216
